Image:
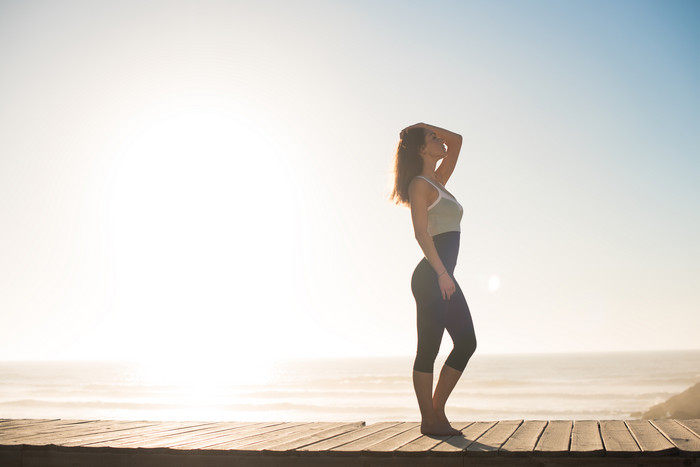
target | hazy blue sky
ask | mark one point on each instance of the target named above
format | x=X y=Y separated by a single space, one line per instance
x=211 y=179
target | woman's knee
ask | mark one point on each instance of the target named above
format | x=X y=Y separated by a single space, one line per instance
x=425 y=358
x=462 y=352
x=470 y=345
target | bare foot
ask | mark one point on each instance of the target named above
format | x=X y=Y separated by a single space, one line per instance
x=442 y=418
x=438 y=429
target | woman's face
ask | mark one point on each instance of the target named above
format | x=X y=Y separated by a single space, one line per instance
x=434 y=146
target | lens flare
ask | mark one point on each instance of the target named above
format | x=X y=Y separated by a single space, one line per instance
x=494 y=283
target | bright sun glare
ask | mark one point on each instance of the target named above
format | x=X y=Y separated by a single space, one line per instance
x=197 y=200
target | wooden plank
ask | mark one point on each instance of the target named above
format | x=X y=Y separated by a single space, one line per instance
x=188 y=435
x=119 y=428
x=32 y=435
x=131 y=438
x=66 y=431
x=160 y=438
x=525 y=437
x=556 y=438
x=495 y=437
x=26 y=421
x=427 y=442
x=280 y=432
x=103 y=438
x=617 y=439
x=407 y=432
x=210 y=441
x=20 y=422
x=348 y=437
x=60 y=436
x=649 y=438
x=469 y=436
x=585 y=438
x=29 y=429
x=683 y=438
x=692 y=425
x=317 y=436
x=275 y=439
x=366 y=442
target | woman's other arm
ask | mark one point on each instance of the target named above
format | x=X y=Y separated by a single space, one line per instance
x=453 y=141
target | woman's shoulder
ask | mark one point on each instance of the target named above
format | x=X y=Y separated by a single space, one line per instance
x=420 y=182
x=420 y=177
x=425 y=181
x=421 y=186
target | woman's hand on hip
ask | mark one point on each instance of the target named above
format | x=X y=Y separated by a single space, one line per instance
x=447 y=286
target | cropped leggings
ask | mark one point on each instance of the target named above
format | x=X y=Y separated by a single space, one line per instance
x=435 y=314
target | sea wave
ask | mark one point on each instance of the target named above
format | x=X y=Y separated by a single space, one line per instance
x=497 y=387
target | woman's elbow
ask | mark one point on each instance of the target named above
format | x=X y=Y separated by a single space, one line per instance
x=421 y=235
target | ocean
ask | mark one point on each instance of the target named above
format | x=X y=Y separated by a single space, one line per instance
x=493 y=387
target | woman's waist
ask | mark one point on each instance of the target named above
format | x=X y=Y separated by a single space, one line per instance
x=447 y=246
x=448 y=234
x=447 y=240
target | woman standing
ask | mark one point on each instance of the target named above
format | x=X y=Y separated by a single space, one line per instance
x=436 y=216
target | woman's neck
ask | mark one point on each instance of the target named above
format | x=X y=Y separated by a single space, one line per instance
x=431 y=176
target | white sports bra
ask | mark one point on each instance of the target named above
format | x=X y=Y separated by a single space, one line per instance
x=445 y=214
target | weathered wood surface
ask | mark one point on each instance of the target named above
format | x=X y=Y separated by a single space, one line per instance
x=28 y=443
x=585 y=438
x=617 y=438
x=525 y=437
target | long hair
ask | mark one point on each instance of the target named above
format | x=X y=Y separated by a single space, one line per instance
x=407 y=163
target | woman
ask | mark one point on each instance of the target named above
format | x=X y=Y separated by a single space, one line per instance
x=436 y=216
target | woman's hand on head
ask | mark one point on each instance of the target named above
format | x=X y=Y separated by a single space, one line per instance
x=415 y=125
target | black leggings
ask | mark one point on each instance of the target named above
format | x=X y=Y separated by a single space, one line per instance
x=436 y=314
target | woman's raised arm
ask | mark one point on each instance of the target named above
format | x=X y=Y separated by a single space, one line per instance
x=454 y=145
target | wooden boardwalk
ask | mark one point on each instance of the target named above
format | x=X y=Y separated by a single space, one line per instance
x=34 y=442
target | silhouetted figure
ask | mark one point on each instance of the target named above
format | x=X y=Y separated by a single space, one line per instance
x=440 y=304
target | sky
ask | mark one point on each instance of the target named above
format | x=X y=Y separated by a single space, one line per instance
x=210 y=180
